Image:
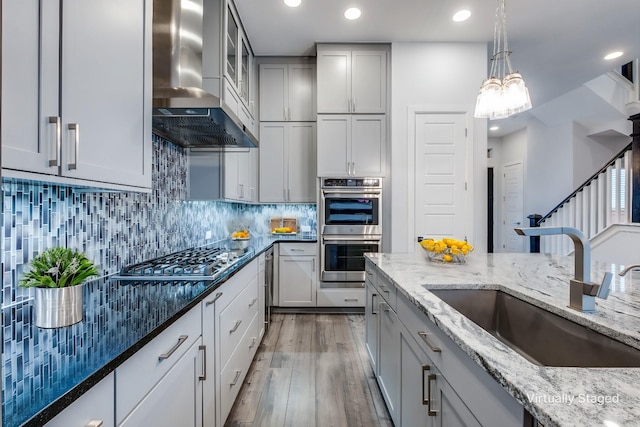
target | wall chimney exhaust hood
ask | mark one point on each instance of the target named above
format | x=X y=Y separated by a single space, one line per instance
x=183 y=112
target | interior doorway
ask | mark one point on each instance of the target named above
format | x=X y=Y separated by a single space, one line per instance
x=513 y=208
x=490 y=201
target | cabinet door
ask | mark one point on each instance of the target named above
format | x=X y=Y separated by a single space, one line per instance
x=95 y=405
x=451 y=410
x=231 y=47
x=414 y=375
x=237 y=175
x=177 y=399
x=297 y=281
x=368 y=145
x=274 y=93
x=105 y=106
x=301 y=163
x=334 y=145
x=301 y=93
x=389 y=358
x=28 y=138
x=273 y=159
x=209 y=391
x=369 y=81
x=371 y=324
x=334 y=81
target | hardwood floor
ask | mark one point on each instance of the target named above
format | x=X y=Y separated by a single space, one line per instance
x=311 y=370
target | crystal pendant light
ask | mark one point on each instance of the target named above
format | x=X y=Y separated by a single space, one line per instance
x=504 y=93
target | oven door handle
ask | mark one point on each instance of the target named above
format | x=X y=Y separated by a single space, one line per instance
x=351 y=193
x=333 y=240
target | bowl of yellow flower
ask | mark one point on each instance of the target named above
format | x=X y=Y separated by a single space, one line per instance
x=446 y=250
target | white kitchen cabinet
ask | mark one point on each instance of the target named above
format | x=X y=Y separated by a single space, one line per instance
x=371 y=315
x=352 y=79
x=96 y=405
x=288 y=162
x=427 y=399
x=231 y=335
x=176 y=400
x=262 y=295
x=239 y=176
x=351 y=145
x=287 y=92
x=297 y=274
x=389 y=358
x=76 y=92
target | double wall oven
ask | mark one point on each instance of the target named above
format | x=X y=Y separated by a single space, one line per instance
x=350 y=225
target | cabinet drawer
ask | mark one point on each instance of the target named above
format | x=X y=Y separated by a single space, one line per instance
x=233 y=374
x=235 y=319
x=387 y=290
x=340 y=297
x=297 y=249
x=232 y=287
x=136 y=376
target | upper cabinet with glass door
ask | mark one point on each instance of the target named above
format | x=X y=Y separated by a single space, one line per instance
x=228 y=59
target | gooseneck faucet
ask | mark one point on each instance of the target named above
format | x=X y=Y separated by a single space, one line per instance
x=582 y=292
x=628 y=269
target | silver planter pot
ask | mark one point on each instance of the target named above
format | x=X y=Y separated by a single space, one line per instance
x=57 y=307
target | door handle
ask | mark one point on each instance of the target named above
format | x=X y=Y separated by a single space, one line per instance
x=432 y=346
x=235 y=327
x=425 y=400
x=216 y=298
x=56 y=160
x=75 y=127
x=373 y=304
x=203 y=377
x=430 y=412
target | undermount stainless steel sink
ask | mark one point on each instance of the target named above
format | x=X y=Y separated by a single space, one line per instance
x=540 y=336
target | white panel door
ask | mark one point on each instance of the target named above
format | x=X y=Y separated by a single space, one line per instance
x=441 y=198
x=513 y=209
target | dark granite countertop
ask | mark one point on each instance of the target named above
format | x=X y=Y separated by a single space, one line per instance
x=52 y=368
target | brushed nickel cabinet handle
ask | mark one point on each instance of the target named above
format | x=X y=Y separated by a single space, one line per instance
x=203 y=377
x=56 y=160
x=253 y=301
x=425 y=400
x=216 y=298
x=235 y=379
x=75 y=127
x=373 y=304
x=351 y=299
x=354 y=105
x=432 y=346
x=235 y=327
x=181 y=340
x=253 y=341
x=430 y=412
x=94 y=423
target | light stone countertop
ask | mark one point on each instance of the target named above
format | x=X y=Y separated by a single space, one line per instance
x=556 y=396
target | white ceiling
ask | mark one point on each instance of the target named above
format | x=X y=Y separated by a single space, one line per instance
x=557 y=44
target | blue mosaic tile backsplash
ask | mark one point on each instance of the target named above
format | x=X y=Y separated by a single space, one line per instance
x=113 y=229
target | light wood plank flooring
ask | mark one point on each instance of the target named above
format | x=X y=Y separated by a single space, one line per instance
x=311 y=370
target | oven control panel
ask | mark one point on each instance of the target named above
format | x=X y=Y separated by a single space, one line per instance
x=352 y=182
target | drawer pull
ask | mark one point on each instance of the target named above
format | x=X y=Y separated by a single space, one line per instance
x=430 y=412
x=235 y=379
x=203 y=377
x=253 y=301
x=94 y=423
x=425 y=400
x=433 y=347
x=216 y=298
x=351 y=299
x=235 y=327
x=253 y=342
x=181 y=340
x=296 y=250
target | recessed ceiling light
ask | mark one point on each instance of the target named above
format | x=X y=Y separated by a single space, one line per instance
x=352 y=13
x=462 y=15
x=494 y=128
x=292 y=3
x=614 y=55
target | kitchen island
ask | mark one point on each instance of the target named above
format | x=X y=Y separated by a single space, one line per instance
x=555 y=396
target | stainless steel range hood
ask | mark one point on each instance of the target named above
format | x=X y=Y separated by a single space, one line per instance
x=183 y=112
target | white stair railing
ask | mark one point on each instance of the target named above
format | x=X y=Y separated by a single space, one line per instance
x=604 y=199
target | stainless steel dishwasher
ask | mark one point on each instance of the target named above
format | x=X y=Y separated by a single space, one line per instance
x=268 y=286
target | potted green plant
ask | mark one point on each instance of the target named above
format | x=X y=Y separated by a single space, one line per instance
x=57 y=275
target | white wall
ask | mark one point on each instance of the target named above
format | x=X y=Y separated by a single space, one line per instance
x=435 y=75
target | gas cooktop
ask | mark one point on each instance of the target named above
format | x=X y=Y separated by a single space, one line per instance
x=190 y=264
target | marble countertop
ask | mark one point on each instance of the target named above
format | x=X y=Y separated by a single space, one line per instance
x=556 y=396
x=50 y=368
